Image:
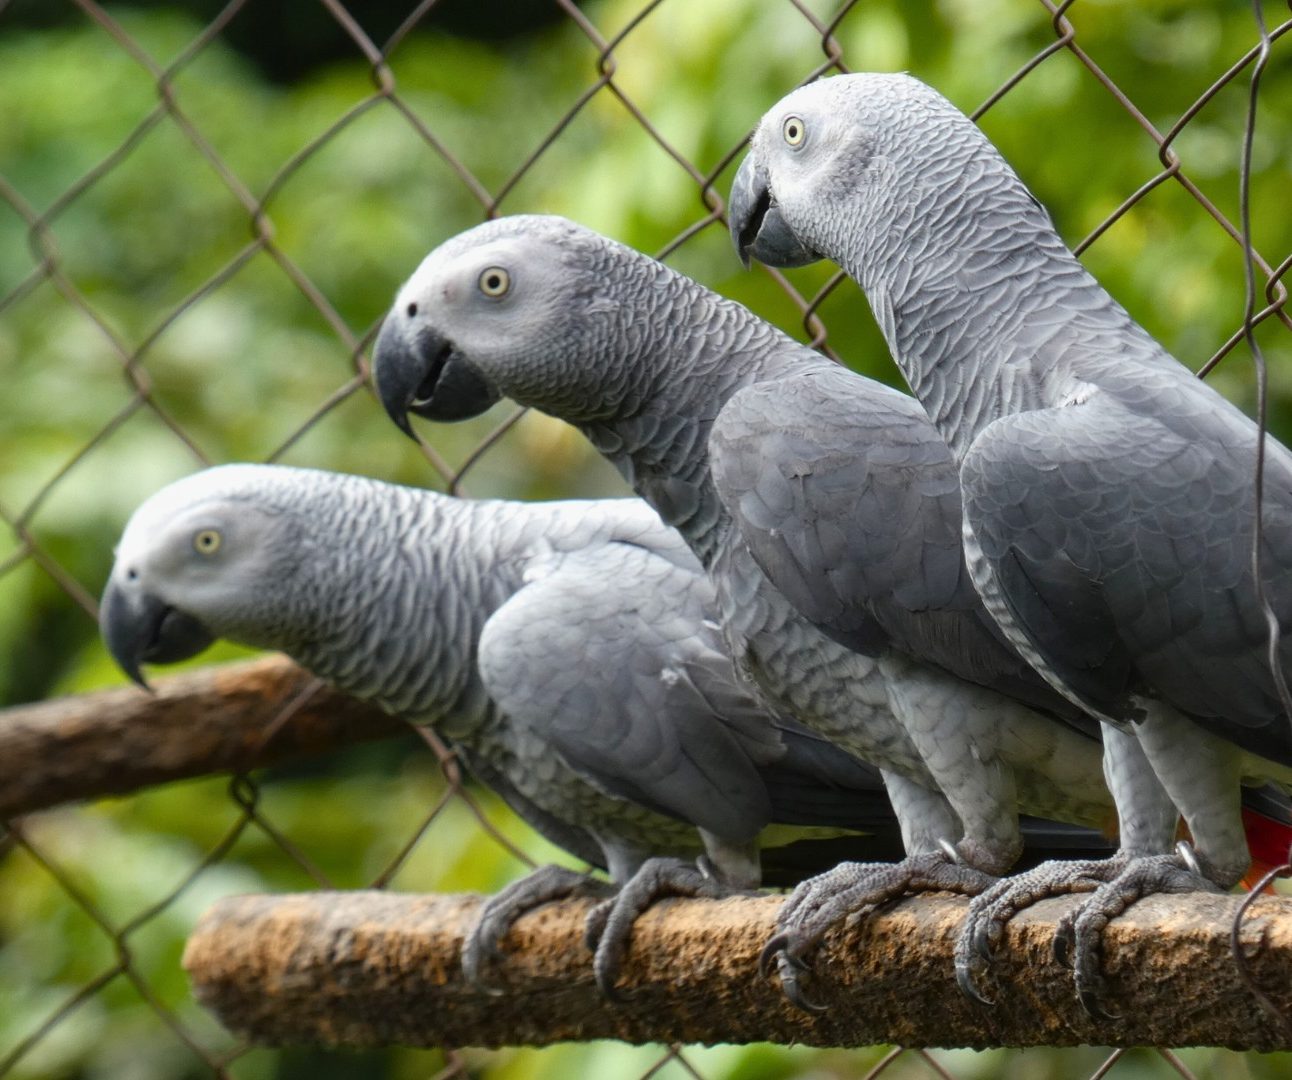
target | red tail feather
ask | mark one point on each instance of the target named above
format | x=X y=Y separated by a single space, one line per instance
x=1270 y=841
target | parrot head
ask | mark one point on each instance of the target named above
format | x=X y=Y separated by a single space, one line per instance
x=845 y=157
x=199 y=560
x=531 y=307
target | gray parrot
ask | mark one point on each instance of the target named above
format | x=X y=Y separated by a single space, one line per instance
x=824 y=505
x=568 y=650
x=1109 y=496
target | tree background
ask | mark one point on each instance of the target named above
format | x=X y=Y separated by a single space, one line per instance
x=143 y=252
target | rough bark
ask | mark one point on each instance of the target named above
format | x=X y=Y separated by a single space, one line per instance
x=222 y=719
x=370 y=968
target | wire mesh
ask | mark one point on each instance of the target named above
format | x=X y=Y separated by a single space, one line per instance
x=125 y=375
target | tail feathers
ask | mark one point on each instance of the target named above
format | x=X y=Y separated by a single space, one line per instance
x=788 y=859
x=816 y=782
x=785 y=865
x=797 y=800
x=814 y=758
x=1044 y=840
x=1267 y=820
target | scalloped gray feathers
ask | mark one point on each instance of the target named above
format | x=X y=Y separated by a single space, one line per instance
x=568 y=649
x=1121 y=532
x=850 y=502
x=1108 y=491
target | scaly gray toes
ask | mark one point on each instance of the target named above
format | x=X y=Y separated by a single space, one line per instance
x=812 y=909
x=611 y=935
x=848 y=892
x=948 y=876
x=1064 y=936
x=479 y=950
x=992 y=909
x=1082 y=931
x=595 y=924
x=809 y=896
x=500 y=912
x=1114 y=884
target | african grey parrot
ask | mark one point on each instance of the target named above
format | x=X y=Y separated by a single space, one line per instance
x=567 y=649
x=1108 y=494
x=895 y=660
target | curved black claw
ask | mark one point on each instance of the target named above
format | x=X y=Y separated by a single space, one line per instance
x=481 y=948
x=990 y=911
x=1113 y=884
x=967 y=978
x=845 y=893
x=609 y=928
x=1140 y=876
x=1064 y=949
x=594 y=926
x=772 y=952
x=1091 y=1005
x=790 y=969
x=1065 y=936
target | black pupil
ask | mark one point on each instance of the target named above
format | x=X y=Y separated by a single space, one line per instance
x=494 y=282
x=412 y=310
x=794 y=131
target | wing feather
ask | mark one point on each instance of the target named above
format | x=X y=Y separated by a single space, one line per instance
x=1119 y=532
x=850 y=503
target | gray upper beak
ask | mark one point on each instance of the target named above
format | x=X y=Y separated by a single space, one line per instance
x=417 y=370
x=138 y=628
x=397 y=373
x=758 y=228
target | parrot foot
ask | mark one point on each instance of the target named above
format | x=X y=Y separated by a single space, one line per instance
x=1113 y=884
x=1079 y=935
x=482 y=945
x=608 y=931
x=846 y=893
x=991 y=910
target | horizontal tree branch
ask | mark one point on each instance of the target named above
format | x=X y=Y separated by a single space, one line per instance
x=374 y=968
x=220 y=719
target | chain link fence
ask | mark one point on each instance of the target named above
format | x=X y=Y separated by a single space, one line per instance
x=194 y=256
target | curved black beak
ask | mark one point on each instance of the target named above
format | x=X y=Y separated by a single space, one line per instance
x=138 y=628
x=417 y=370
x=758 y=228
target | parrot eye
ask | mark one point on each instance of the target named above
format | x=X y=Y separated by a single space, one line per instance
x=207 y=542
x=495 y=282
x=793 y=130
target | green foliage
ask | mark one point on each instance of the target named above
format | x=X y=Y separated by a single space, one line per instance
x=352 y=204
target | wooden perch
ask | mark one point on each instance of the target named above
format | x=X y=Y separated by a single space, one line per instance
x=209 y=721
x=372 y=968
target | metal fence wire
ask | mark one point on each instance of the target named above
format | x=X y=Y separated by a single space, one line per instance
x=89 y=943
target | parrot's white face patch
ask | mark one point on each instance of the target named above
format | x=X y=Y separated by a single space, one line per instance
x=201 y=546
